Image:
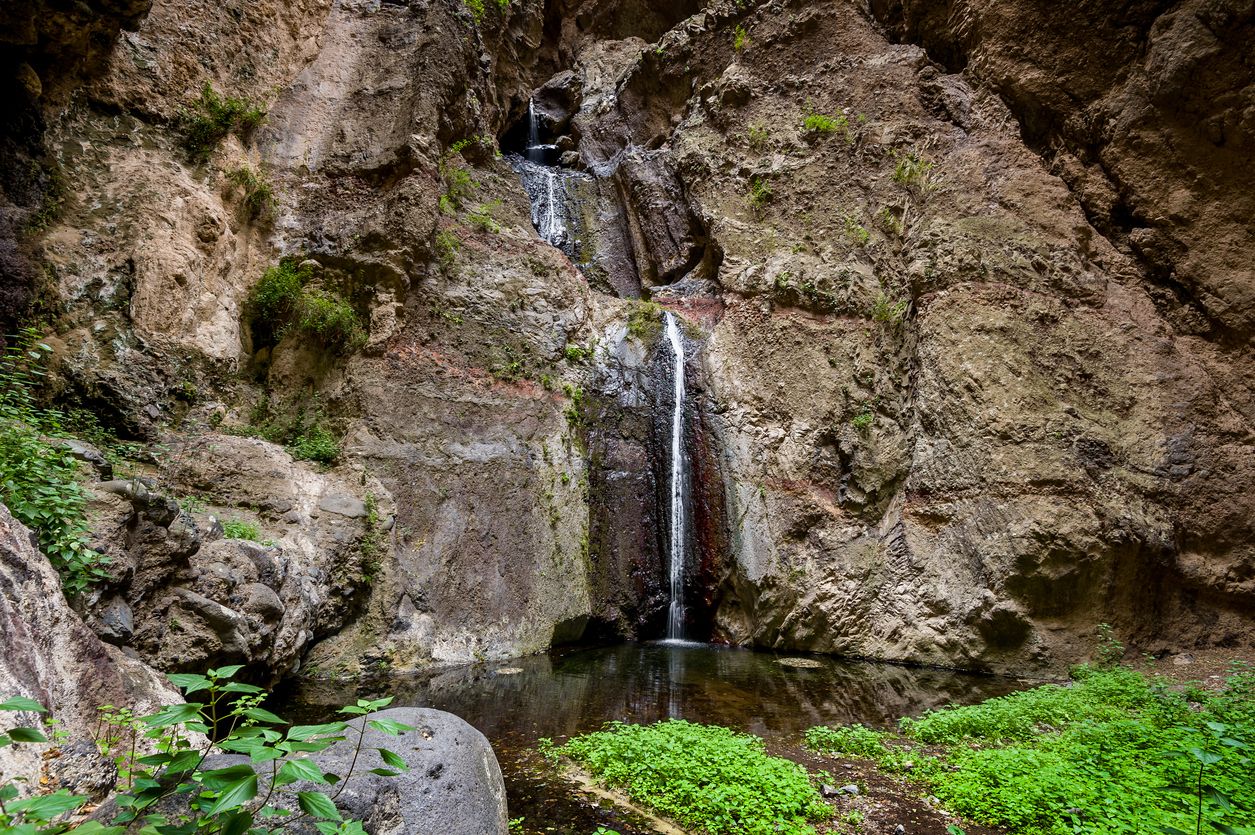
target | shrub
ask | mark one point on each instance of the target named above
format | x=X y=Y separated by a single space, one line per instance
x=758 y=137
x=237 y=529
x=702 y=776
x=327 y=317
x=855 y=231
x=863 y=419
x=211 y=117
x=759 y=194
x=314 y=443
x=447 y=247
x=177 y=779
x=479 y=9
x=888 y=312
x=645 y=319
x=482 y=217
x=576 y=353
x=39 y=477
x=818 y=124
x=914 y=171
x=259 y=197
x=280 y=301
x=740 y=38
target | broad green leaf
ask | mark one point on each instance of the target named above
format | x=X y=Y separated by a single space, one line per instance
x=293 y=771
x=240 y=687
x=385 y=772
x=236 y=824
x=48 y=806
x=26 y=735
x=389 y=726
x=225 y=672
x=234 y=795
x=264 y=716
x=22 y=703
x=189 y=682
x=318 y=805
x=174 y=715
x=97 y=828
x=393 y=759
x=303 y=732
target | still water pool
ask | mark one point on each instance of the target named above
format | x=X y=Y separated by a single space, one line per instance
x=572 y=691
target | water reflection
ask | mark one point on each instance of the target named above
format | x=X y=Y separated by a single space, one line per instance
x=575 y=691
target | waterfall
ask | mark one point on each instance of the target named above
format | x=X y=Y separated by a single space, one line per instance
x=534 y=151
x=675 y=612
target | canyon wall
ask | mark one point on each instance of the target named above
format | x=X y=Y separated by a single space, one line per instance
x=966 y=288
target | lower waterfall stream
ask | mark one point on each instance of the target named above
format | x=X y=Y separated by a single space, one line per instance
x=675 y=609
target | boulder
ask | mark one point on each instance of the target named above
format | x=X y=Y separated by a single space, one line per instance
x=453 y=785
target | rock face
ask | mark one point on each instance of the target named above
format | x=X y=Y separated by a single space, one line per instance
x=52 y=657
x=967 y=294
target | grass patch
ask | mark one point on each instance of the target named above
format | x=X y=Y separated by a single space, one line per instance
x=759 y=195
x=39 y=478
x=1114 y=752
x=703 y=776
x=645 y=320
x=237 y=529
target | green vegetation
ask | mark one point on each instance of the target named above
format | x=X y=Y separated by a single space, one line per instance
x=282 y=303
x=259 y=197
x=479 y=8
x=893 y=222
x=888 y=312
x=304 y=434
x=645 y=320
x=314 y=442
x=740 y=37
x=702 y=776
x=914 y=171
x=758 y=137
x=211 y=117
x=459 y=185
x=236 y=529
x=577 y=353
x=1113 y=752
x=230 y=800
x=821 y=124
x=482 y=219
x=447 y=246
x=38 y=476
x=759 y=194
x=863 y=420
x=574 y=412
x=855 y=231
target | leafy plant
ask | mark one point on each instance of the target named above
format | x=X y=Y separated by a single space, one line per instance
x=855 y=231
x=702 y=776
x=863 y=419
x=211 y=117
x=740 y=37
x=447 y=246
x=888 y=312
x=645 y=319
x=479 y=9
x=758 y=137
x=577 y=353
x=1114 y=752
x=481 y=218
x=855 y=740
x=259 y=197
x=237 y=529
x=914 y=171
x=314 y=442
x=759 y=194
x=230 y=800
x=39 y=478
x=281 y=302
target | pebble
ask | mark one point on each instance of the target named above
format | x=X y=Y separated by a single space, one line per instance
x=850 y=789
x=828 y=791
x=899 y=830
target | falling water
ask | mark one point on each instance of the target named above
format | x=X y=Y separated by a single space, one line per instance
x=534 y=152
x=675 y=612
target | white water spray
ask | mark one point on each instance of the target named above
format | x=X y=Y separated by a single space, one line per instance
x=534 y=152
x=675 y=612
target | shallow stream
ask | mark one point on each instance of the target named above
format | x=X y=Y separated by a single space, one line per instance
x=573 y=691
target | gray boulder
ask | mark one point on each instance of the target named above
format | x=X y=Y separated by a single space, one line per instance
x=453 y=786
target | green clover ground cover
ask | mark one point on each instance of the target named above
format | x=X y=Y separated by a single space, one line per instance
x=704 y=777
x=1115 y=752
